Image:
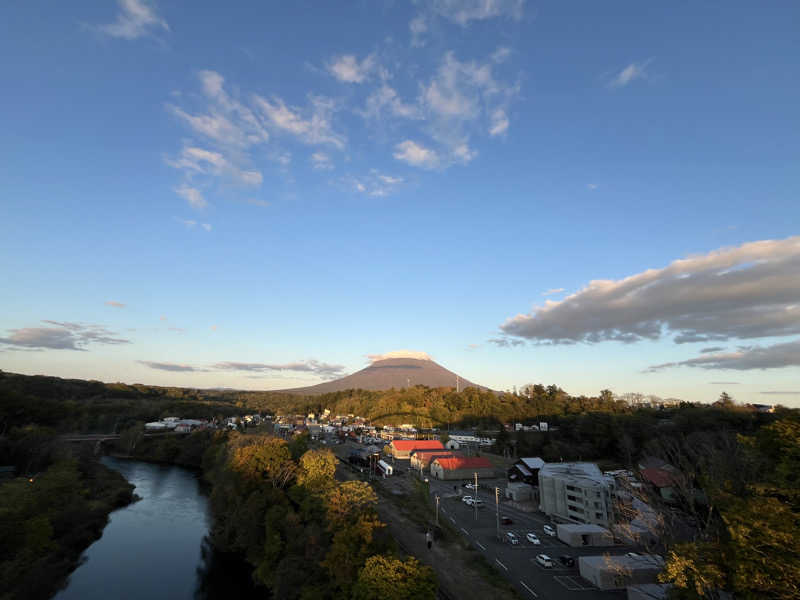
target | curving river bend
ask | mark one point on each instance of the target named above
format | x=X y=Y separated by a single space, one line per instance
x=155 y=548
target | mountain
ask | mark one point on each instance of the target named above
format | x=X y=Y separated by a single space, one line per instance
x=392 y=372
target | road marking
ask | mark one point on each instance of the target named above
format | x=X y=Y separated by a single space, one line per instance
x=452 y=519
x=481 y=545
x=443 y=510
x=465 y=531
x=535 y=595
x=501 y=564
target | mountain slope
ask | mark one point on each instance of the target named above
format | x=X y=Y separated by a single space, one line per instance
x=392 y=373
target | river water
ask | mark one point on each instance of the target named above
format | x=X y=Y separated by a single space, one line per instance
x=156 y=548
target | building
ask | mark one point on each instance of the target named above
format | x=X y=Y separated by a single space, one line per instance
x=576 y=493
x=519 y=492
x=575 y=535
x=421 y=459
x=404 y=448
x=462 y=468
x=526 y=470
x=616 y=572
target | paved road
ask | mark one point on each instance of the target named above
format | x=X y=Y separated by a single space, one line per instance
x=517 y=562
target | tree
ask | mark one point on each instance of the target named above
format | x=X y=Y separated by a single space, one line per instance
x=388 y=578
x=317 y=468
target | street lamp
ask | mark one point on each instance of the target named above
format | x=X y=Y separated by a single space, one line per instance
x=437 y=510
x=497 y=509
x=475 y=502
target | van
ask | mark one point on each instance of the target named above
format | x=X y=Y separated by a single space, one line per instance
x=545 y=561
x=549 y=530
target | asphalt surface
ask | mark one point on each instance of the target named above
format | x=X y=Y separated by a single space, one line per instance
x=518 y=562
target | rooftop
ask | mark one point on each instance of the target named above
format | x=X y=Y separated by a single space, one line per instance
x=582 y=473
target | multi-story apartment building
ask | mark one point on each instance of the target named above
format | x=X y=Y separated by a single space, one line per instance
x=576 y=493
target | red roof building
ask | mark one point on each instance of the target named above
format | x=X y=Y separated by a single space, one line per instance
x=404 y=448
x=421 y=459
x=459 y=467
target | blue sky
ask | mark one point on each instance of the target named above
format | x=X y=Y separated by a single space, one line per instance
x=262 y=195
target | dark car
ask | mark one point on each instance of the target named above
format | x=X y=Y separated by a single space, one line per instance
x=506 y=521
x=567 y=561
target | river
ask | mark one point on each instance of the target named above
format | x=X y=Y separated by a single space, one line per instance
x=156 y=548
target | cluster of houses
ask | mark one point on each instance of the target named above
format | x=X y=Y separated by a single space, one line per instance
x=178 y=425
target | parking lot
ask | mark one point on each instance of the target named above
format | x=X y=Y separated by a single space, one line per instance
x=517 y=562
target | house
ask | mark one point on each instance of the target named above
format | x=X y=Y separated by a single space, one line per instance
x=526 y=470
x=663 y=480
x=576 y=493
x=519 y=492
x=404 y=448
x=461 y=468
x=421 y=459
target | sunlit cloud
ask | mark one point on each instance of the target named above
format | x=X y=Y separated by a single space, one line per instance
x=135 y=19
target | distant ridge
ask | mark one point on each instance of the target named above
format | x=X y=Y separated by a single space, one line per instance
x=391 y=373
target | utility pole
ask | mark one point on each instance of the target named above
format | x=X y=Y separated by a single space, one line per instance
x=497 y=509
x=437 y=510
x=475 y=501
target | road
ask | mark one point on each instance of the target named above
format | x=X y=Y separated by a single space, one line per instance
x=518 y=562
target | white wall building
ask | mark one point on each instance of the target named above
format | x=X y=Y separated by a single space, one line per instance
x=576 y=493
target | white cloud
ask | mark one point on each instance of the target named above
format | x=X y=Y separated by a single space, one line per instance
x=321 y=161
x=416 y=155
x=415 y=354
x=756 y=357
x=464 y=11
x=199 y=160
x=315 y=129
x=499 y=123
x=375 y=184
x=115 y=304
x=501 y=54
x=135 y=19
x=348 y=69
x=630 y=73
x=744 y=292
x=192 y=195
x=385 y=99
x=591 y=186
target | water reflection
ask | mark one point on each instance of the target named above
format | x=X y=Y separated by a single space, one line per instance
x=157 y=547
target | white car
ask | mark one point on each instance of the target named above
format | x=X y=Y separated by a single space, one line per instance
x=549 y=530
x=533 y=539
x=632 y=555
x=512 y=538
x=545 y=561
x=466 y=499
x=470 y=486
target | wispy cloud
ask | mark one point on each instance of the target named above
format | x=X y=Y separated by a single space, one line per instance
x=321 y=161
x=724 y=382
x=115 y=304
x=324 y=370
x=712 y=349
x=193 y=160
x=384 y=101
x=191 y=224
x=375 y=184
x=135 y=19
x=592 y=186
x=552 y=291
x=744 y=292
x=505 y=342
x=754 y=357
x=192 y=195
x=62 y=336
x=634 y=71
x=779 y=393
x=415 y=354
x=312 y=125
x=348 y=69
x=173 y=367
x=499 y=123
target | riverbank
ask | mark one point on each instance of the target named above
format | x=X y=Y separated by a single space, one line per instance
x=47 y=522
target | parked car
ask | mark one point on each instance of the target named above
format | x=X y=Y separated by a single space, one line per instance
x=506 y=521
x=466 y=499
x=470 y=486
x=512 y=538
x=632 y=554
x=545 y=561
x=549 y=530
x=533 y=539
x=567 y=561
